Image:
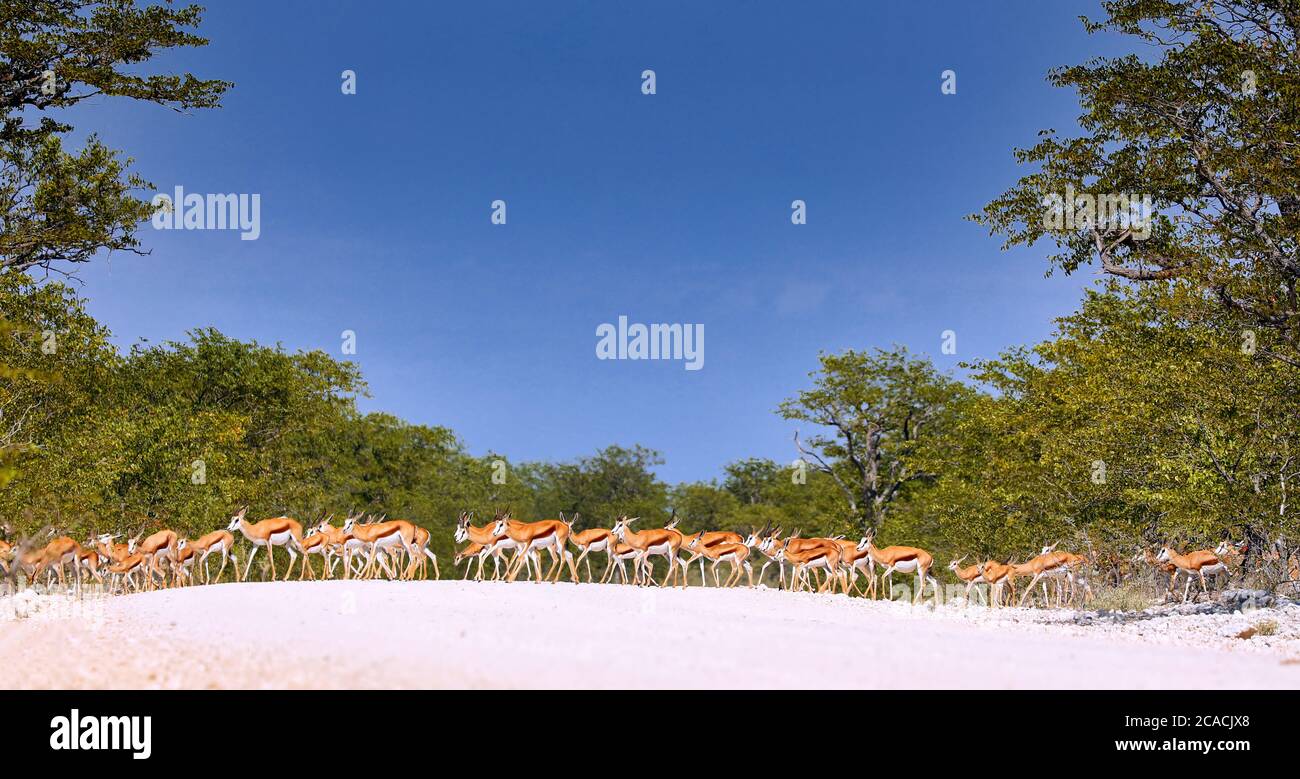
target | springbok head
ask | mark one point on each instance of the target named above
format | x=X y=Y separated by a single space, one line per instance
x=462 y=528
x=952 y=566
x=237 y=518
x=1050 y=549
x=469 y=551
x=621 y=526
x=756 y=536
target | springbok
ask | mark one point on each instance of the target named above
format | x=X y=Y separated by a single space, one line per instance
x=858 y=562
x=89 y=560
x=314 y=542
x=385 y=535
x=337 y=541
x=549 y=534
x=904 y=559
x=125 y=569
x=492 y=543
x=269 y=533
x=1047 y=565
x=59 y=552
x=736 y=554
x=424 y=554
x=971 y=575
x=113 y=552
x=220 y=542
x=769 y=543
x=794 y=544
x=1075 y=573
x=595 y=539
x=703 y=540
x=706 y=537
x=998 y=575
x=825 y=555
x=619 y=556
x=472 y=550
x=156 y=546
x=1166 y=574
x=1199 y=562
x=662 y=542
x=182 y=559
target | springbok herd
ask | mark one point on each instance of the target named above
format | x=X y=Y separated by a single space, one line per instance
x=367 y=547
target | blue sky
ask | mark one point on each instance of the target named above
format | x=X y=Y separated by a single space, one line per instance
x=667 y=208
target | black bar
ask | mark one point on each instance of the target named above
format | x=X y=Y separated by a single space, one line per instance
x=944 y=727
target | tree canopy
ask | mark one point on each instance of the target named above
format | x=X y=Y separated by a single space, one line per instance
x=61 y=208
x=1163 y=409
x=1206 y=127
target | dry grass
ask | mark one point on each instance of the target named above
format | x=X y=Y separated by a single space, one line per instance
x=1126 y=597
x=1266 y=628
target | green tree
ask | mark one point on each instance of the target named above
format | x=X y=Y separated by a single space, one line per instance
x=878 y=407
x=1130 y=426
x=59 y=208
x=1208 y=127
x=616 y=480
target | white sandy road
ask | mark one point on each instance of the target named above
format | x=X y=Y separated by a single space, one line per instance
x=465 y=634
